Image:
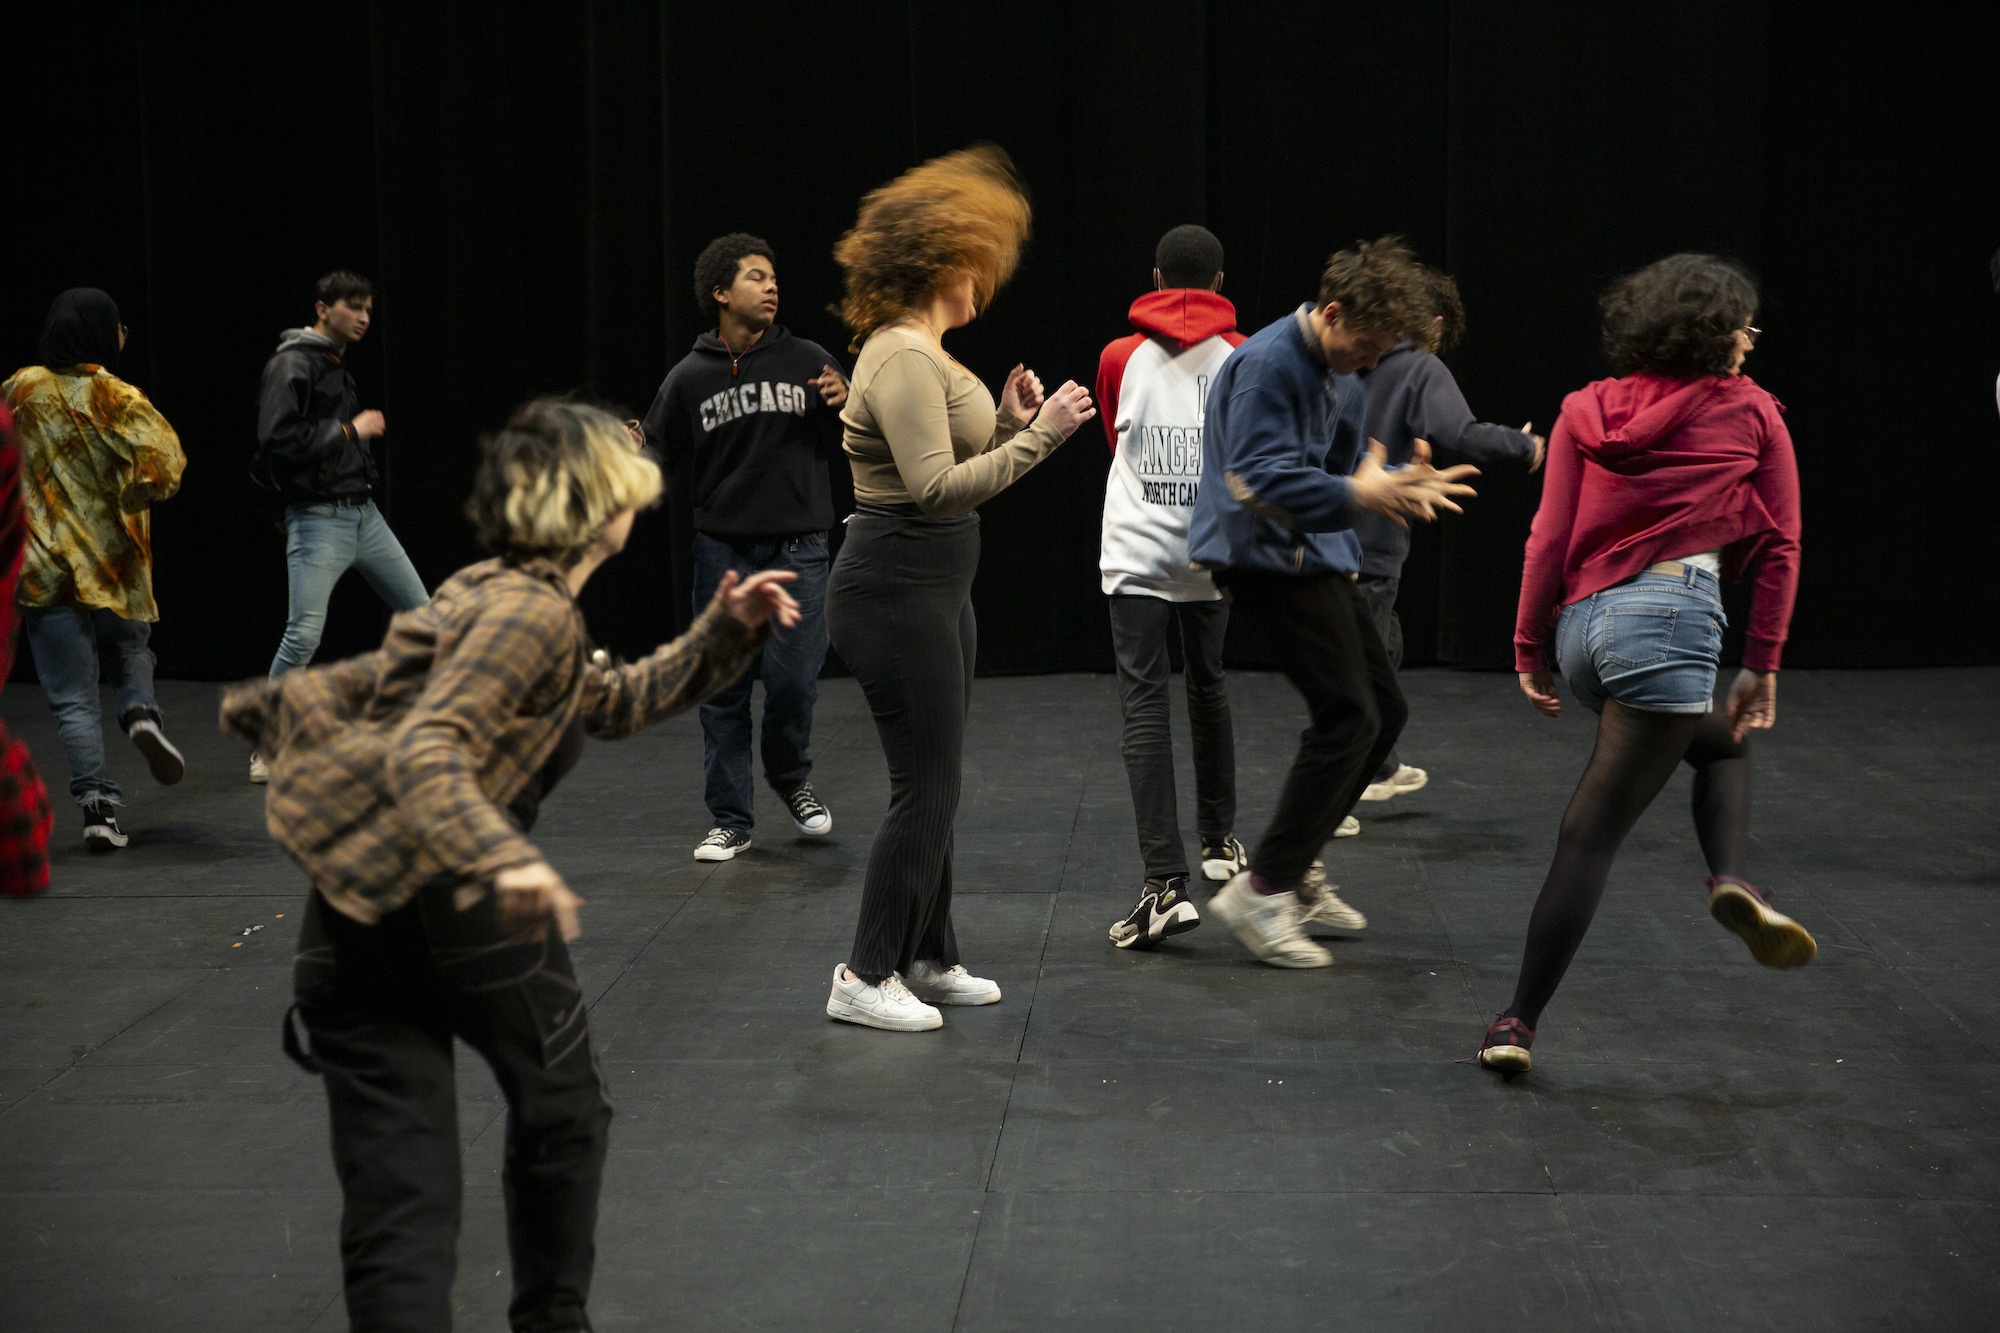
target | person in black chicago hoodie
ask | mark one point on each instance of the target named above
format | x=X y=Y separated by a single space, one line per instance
x=314 y=451
x=747 y=422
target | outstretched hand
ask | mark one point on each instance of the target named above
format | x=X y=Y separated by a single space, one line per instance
x=531 y=897
x=1540 y=687
x=1753 y=702
x=1416 y=490
x=758 y=598
x=1022 y=396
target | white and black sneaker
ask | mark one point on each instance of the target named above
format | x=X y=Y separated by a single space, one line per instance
x=163 y=760
x=722 y=844
x=100 y=827
x=809 y=815
x=1164 y=909
x=1224 y=861
x=1350 y=827
x=1320 y=905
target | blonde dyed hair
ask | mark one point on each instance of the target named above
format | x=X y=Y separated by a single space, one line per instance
x=960 y=215
x=554 y=476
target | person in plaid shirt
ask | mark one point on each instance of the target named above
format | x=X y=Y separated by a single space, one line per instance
x=405 y=783
x=25 y=816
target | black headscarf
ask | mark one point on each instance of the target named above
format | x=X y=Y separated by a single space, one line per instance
x=82 y=327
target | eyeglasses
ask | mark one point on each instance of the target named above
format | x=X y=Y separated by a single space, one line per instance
x=1754 y=332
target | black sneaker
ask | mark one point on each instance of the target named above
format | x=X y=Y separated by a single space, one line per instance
x=100 y=827
x=1163 y=910
x=1224 y=861
x=163 y=758
x=809 y=816
x=722 y=844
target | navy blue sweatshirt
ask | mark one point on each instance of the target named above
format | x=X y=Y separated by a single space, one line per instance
x=1412 y=396
x=751 y=434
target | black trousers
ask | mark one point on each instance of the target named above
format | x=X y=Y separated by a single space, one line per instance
x=381 y=1005
x=1379 y=591
x=1142 y=630
x=1324 y=638
x=899 y=611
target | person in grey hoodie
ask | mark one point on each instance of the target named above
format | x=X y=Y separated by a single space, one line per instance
x=313 y=451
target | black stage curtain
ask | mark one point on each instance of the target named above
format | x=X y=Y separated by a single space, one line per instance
x=530 y=184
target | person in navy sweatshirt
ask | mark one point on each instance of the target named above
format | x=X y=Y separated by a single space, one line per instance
x=1273 y=522
x=1412 y=396
x=743 y=422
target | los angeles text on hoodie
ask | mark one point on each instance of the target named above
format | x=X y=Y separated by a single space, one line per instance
x=308 y=450
x=1152 y=396
x=752 y=435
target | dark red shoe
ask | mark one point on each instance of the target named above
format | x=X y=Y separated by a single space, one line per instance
x=1775 y=939
x=1506 y=1046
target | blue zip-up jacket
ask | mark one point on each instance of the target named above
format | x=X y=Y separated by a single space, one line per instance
x=1281 y=435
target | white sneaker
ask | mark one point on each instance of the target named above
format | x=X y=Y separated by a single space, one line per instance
x=722 y=844
x=950 y=985
x=1400 y=783
x=1349 y=827
x=163 y=760
x=259 y=773
x=1321 y=906
x=1268 y=924
x=889 y=1006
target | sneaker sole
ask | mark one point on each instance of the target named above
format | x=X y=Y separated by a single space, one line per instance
x=259 y=779
x=1249 y=938
x=104 y=840
x=1355 y=927
x=1220 y=872
x=719 y=853
x=1344 y=832
x=1507 y=1059
x=1775 y=939
x=851 y=1013
x=163 y=761
x=820 y=832
x=960 y=1001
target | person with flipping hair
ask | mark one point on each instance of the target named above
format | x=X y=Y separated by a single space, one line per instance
x=926 y=446
x=1660 y=481
x=95 y=455
x=315 y=452
x=1412 y=396
x=1152 y=388
x=743 y=422
x=405 y=783
x=1274 y=522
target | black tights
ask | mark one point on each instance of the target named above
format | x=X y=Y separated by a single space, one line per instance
x=1635 y=755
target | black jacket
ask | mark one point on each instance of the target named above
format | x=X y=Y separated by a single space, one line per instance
x=307 y=450
x=753 y=440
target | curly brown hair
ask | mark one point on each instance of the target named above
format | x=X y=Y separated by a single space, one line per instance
x=1380 y=286
x=962 y=214
x=1440 y=330
x=1678 y=316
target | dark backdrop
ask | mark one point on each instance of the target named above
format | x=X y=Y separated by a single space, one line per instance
x=531 y=182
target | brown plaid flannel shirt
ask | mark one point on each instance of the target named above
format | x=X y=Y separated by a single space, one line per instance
x=391 y=771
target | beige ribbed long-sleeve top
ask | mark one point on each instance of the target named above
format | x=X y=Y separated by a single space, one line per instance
x=920 y=427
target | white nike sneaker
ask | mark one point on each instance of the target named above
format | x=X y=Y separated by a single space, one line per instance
x=1222 y=860
x=949 y=985
x=1321 y=906
x=1163 y=910
x=1268 y=924
x=1400 y=783
x=888 y=1006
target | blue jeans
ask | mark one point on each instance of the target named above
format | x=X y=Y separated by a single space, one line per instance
x=1651 y=642
x=65 y=641
x=324 y=541
x=788 y=666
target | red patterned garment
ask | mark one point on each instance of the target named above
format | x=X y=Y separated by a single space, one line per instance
x=25 y=816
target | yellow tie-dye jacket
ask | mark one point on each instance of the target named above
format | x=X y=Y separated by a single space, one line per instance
x=94 y=455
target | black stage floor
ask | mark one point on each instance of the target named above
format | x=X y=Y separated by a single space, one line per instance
x=1182 y=1140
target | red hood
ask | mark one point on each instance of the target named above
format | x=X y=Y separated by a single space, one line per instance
x=1188 y=315
x=1618 y=420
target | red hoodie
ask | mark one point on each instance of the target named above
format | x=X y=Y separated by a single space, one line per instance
x=1645 y=469
x=1182 y=315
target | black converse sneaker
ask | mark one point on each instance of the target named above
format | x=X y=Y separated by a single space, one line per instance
x=1163 y=910
x=100 y=827
x=1224 y=861
x=809 y=815
x=722 y=844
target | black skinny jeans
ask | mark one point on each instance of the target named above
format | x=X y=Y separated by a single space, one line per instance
x=1379 y=591
x=1324 y=637
x=899 y=611
x=381 y=1005
x=1142 y=630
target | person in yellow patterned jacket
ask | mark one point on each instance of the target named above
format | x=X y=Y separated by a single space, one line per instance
x=94 y=455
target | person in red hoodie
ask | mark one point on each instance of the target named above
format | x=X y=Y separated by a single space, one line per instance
x=1659 y=482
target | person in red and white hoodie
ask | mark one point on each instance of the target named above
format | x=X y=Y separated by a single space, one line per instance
x=1153 y=388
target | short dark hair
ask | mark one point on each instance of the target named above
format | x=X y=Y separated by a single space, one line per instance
x=1446 y=306
x=1380 y=286
x=718 y=262
x=1678 y=316
x=341 y=285
x=1188 y=256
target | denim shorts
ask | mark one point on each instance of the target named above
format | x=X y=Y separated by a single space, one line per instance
x=1651 y=642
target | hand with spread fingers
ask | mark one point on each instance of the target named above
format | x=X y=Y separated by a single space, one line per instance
x=760 y=597
x=1416 y=490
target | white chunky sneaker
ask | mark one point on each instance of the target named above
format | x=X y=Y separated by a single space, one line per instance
x=1321 y=906
x=1222 y=861
x=1400 y=783
x=1268 y=924
x=949 y=985
x=1349 y=827
x=259 y=773
x=888 y=1006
